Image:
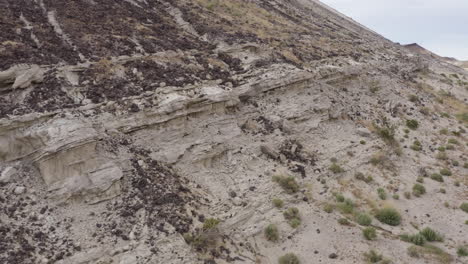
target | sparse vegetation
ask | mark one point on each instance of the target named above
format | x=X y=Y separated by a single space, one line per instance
x=418 y=190
x=416 y=146
x=272 y=233
x=388 y=216
x=343 y=221
x=293 y=217
x=373 y=257
x=289 y=258
x=335 y=168
x=431 y=251
x=462 y=252
x=360 y=176
x=382 y=194
x=445 y=172
x=464 y=207
x=369 y=233
x=437 y=177
x=416 y=239
x=288 y=183
x=339 y=197
x=328 y=208
x=412 y=124
x=363 y=219
x=346 y=207
x=278 y=203
x=210 y=223
x=431 y=235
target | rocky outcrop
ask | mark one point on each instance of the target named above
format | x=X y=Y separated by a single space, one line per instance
x=156 y=140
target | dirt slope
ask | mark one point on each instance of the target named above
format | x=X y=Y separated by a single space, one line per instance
x=171 y=131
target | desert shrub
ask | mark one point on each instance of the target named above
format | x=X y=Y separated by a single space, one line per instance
x=328 y=208
x=455 y=163
x=465 y=165
x=288 y=183
x=417 y=146
x=373 y=257
x=464 y=207
x=272 y=233
x=462 y=252
x=210 y=223
x=382 y=194
x=347 y=206
x=441 y=156
x=413 y=98
x=343 y=221
x=412 y=124
x=444 y=131
x=457 y=184
x=369 y=233
x=453 y=141
x=293 y=216
x=431 y=235
x=388 y=216
x=278 y=203
x=437 y=177
x=445 y=172
x=362 y=142
x=396 y=197
x=418 y=190
x=407 y=195
x=416 y=239
x=450 y=147
x=441 y=148
x=360 y=176
x=442 y=190
x=289 y=258
x=363 y=219
x=339 y=197
x=335 y=168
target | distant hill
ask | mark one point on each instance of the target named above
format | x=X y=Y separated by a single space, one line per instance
x=416 y=48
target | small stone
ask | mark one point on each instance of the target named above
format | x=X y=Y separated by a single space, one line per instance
x=333 y=256
x=20 y=190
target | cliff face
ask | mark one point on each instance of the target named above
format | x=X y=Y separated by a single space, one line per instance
x=146 y=131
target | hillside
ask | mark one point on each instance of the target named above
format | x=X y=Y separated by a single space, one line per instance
x=216 y=131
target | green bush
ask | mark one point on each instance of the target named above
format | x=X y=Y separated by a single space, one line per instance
x=417 y=146
x=441 y=156
x=369 y=233
x=464 y=207
x=210 y=223
x=363 y=219
x=396 y=197
x=272 y=233
x=335 y=168
x=360 y=176
x=445 y=172
x=343 y=221
x=431 y=235
x=288 y=183
x=462 y=252
x=347 y=206
x=382 y=194
x=339 y=197
x=328 y=208
x=293 y=217
x=388 y=216
x=453 y=141
x=373 y=257
x=278 y=203
x=412 y=124
x=289 y=258
x=418 y=190
x=437 y=177
x=417 y=239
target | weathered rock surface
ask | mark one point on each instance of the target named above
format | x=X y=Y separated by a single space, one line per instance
x=119 y=138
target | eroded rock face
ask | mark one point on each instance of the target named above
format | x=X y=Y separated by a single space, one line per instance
x=120 y=137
